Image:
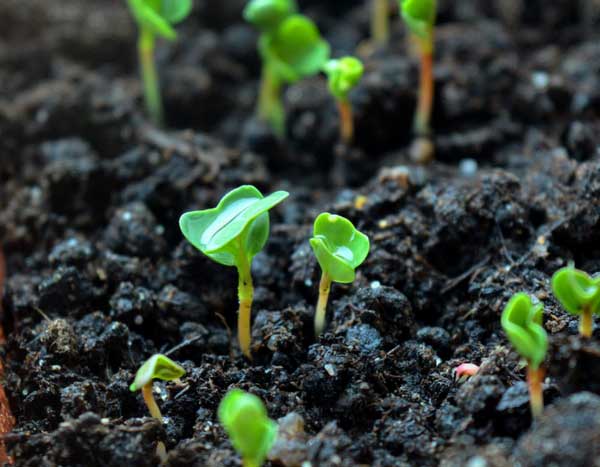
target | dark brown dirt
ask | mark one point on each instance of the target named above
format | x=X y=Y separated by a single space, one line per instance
x=99 y=276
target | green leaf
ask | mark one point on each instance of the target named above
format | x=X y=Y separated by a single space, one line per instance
x=575 y=289
x=156 y=367
x=338 y=246
x=157 y=16
x=238 y=225
x=175 y=11
x=250 y=430
x=522 y=322
x=343 y=74
x=419 y=16
x=295 y=49
x=267 y=15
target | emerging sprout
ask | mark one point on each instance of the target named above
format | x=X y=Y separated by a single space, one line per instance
x=339 y=249
x=232 y=234
x=579 y=294
x=155 y=18
x=156 y=367
x=250 y=429
x=344 y=74
x=380 y=22
x=522 y=322
x=291 y=48
x=419 y=16
x=465 y=371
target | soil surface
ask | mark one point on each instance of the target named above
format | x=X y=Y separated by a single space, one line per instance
x=99 y=276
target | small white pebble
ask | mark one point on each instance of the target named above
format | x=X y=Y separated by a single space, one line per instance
x=468 y=167
x=126 y=216
x=477 y=461
x=139 y=320
x=56 y=368
x=105 y=421
x=308 y=283
x=375 y=285
x=540 y=79
x=330 y=369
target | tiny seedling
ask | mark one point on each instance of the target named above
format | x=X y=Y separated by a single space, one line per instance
x=579 y=294
x=339 y=249
x=419 y=16
x=232 y=234
x=344 y=74
x=250 y=429
x=380 y=22
x=522 y=322
x=156 y=367
x=291 y=48
x=155 y=18
x=465 y=370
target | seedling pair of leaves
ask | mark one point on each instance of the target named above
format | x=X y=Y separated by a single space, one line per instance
x=232 y=234
x=522 y=322
x=291 y=48
x=579 y=294
x=339 y=248
x=251 y=431
x=155 y=18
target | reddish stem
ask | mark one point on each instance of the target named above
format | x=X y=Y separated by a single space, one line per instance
x=535 y=380
x=425 y=103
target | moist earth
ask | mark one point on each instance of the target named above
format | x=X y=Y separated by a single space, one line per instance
x=100 y=278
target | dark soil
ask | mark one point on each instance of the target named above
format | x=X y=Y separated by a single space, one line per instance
x=99 y=276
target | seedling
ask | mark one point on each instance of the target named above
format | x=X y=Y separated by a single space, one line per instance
x=465 y=370
x=344 y=74
x=579 y=294
x=232 y=234
x=522 y=322
x=250 y=429
x=380 y=22
x=155 y=18
x=156 y=367
x=291 y=48
x=339 y=249
x=419 y=16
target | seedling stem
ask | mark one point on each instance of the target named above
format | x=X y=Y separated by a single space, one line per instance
x=324 y=288
x=151 y=402
x=380 y=23
x=270 y=108
x=150 y=76
x=586 y=323
x=535 y=381
x=245 y=296
x=425 y=104
x=346 y=121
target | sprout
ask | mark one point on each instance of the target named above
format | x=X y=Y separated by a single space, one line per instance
x=250 y=429
x=339 y=249
x=344 y=74
x=522 y=322
x=291 y=48
x=232 y=234
x=380 y=23
x=155 y=18
x=156 y=367
x=579 y=294
x=465 y=371
x=419 y=16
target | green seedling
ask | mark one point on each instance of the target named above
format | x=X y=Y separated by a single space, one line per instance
x=522 y=322
x=344 y=74
x=579 y=294
x=380 y=22
x=419 y=16
x=155 y=18
x=291 y=48
x=156 y=367
x=232 y=234
x=339 y=249
x=250 y=429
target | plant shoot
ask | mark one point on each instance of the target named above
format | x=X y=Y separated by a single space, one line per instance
x=155 y=18
x=419 y=16
x=251 y=431
x=232 y=234
x=579 y=294
x=339 y=249
x=380 y=22
x=343 y=75
x=291 y=48
x=522 y=322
